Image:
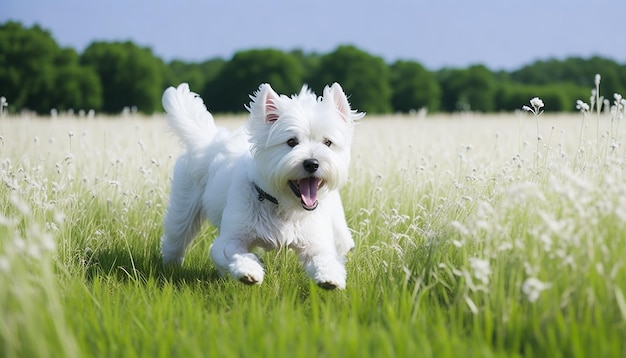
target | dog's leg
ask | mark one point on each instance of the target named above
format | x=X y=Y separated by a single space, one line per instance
x=233 y=256
x=341 y=232
x=323 y=265
x=183 y=217
x=343 y=238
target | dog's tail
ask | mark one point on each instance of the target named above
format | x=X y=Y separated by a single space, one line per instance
x=188 y=117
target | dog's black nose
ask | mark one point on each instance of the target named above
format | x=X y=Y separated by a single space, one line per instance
x=311 y=165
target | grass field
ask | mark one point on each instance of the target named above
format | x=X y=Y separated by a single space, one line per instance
x=501 y=235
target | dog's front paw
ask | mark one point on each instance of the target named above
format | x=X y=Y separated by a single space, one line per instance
x=331 y=283
x=246 y=268
x=327 y=285
x=327 y=272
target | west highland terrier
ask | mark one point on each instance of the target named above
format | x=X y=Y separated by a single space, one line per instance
x=272 y=184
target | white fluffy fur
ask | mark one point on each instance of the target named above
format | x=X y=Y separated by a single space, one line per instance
x=216 y=177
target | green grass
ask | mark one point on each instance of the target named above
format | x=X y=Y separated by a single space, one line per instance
x=453 y=219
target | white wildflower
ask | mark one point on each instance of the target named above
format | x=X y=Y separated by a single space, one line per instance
x=47 y=243
x=34 y=251
x=535 y=105
x=21 y=205
x=518 y=194
x=58 y=218
x=536 y=102
x=530 y=269
x=596 y=80
x=462 y=229
x=50 y=226
x=19 y=244
x=8 y=222
x=481 y=268
x=3 y=103
x=582 y=106
x=533 y=287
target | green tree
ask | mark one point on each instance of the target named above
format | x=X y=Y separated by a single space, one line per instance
x=310 y=63
x=130 y=75
x=558 y=97
x=229 y=91
x=473 y=89
x=577 y=71
x=452 y=87
x=480 y=88
x=197 y=75
x=414 y=87
x=27 y=61
x=37 y=74
x=75 y=86
x=364 y=78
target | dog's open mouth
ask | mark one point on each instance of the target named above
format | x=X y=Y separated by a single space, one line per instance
x=306 y=189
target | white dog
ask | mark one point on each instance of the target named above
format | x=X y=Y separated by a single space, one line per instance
x=273 y=184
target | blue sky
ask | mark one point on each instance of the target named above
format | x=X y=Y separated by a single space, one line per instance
x=501 y=34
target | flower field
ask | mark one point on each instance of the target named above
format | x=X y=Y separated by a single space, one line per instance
x=477 y=235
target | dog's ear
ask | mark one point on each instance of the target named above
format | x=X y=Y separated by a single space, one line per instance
x=271 y=110
x=264 y=103
x=335 y=94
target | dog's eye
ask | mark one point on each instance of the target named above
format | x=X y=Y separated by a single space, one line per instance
x=328 y=142
x=292 y=142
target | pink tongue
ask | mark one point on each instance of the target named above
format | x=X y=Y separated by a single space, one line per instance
x=308 y=191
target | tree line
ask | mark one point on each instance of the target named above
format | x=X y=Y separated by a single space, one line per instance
x=38 y=75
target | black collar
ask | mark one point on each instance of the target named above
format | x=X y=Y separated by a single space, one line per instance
x=263 y=195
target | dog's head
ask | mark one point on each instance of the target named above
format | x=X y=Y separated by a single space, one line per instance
x=301 y=144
